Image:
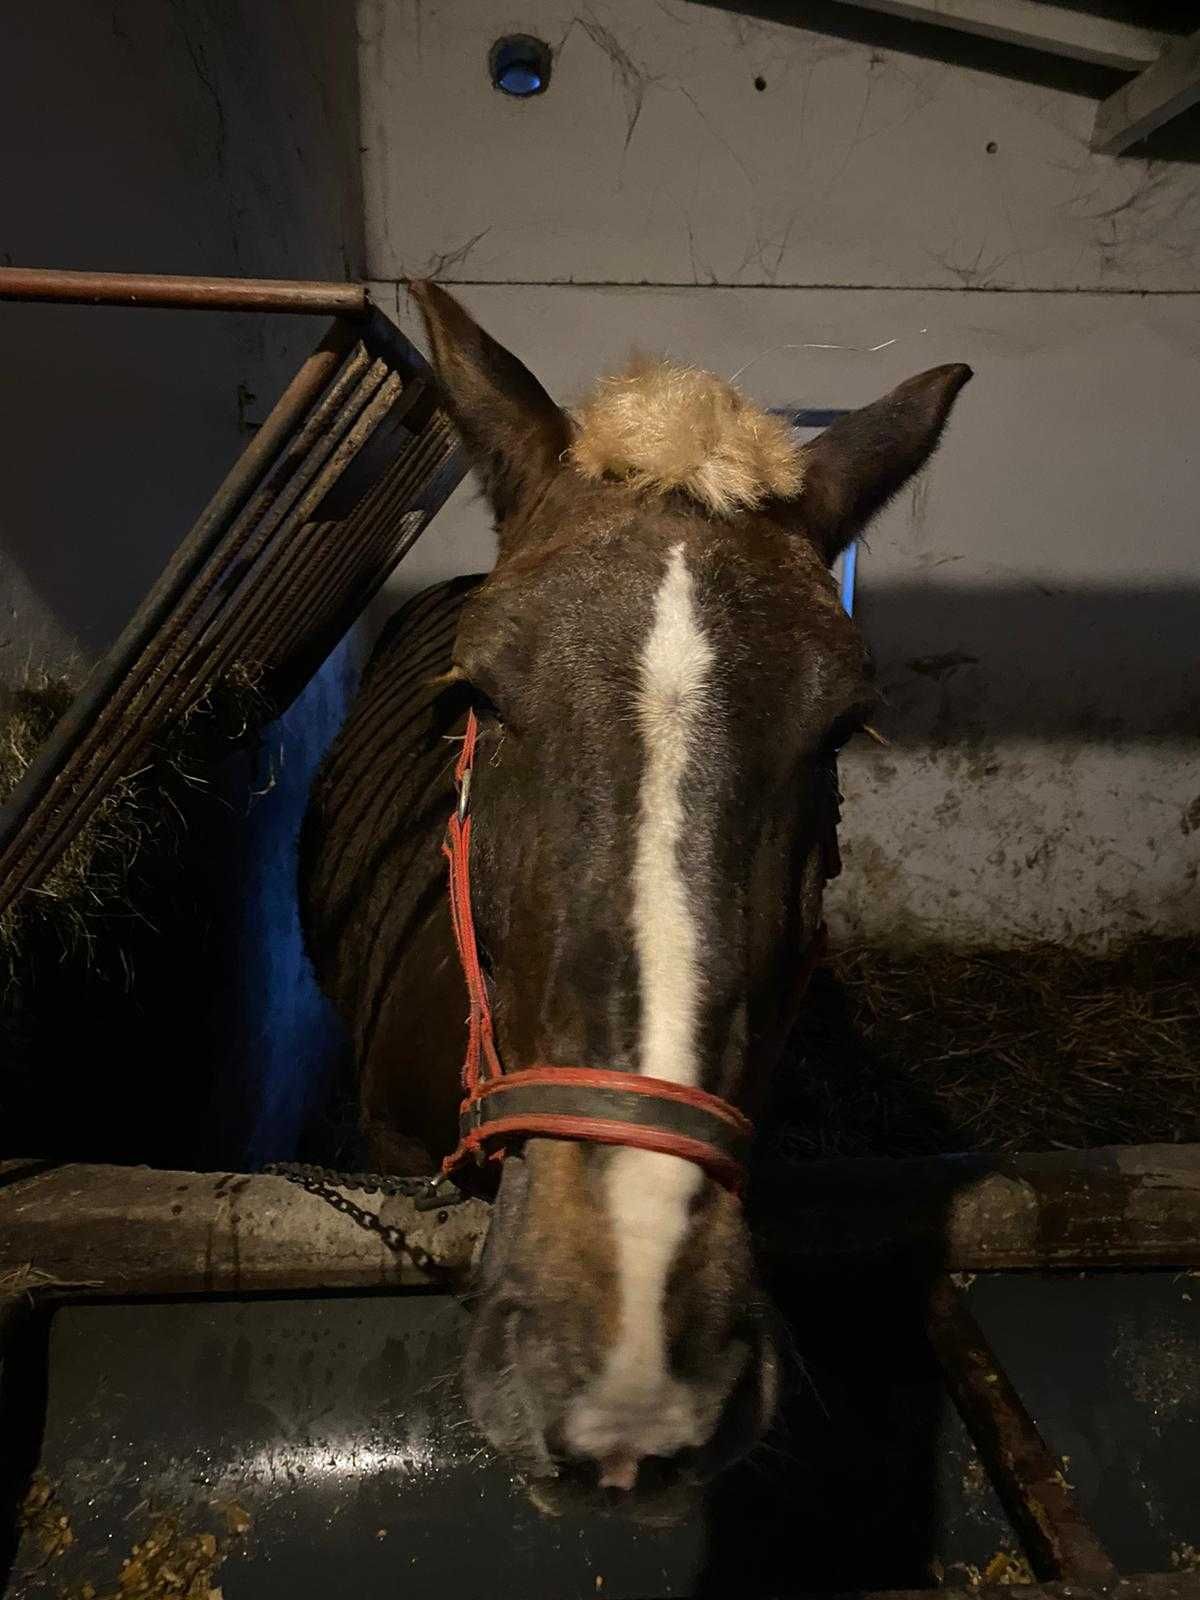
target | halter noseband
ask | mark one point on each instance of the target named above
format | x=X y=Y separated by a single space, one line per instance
x=588 y=1104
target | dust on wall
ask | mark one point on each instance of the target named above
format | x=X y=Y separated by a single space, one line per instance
x=833 y=211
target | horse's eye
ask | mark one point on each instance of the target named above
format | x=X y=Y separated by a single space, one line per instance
x=486 y=695
x=842 y=731
x=481 y=700
x=484 y=704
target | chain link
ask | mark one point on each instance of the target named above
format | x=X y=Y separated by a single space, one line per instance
x=427 y=1194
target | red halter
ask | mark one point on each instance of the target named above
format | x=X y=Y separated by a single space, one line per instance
x=588 y=1104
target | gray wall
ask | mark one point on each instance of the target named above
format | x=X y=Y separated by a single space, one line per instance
x=206 y=136
x=215 y=136
x=1032 y=601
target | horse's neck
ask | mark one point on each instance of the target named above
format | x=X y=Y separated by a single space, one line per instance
x=373 y=877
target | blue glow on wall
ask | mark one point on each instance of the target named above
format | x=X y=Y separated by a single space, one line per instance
x=290 y=1042
x=845 y=568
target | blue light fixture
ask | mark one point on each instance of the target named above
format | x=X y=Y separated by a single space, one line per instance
x=520 y=65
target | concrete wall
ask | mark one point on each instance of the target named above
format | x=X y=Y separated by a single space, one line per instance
x=210 y=136
x=216 y=136
x=1032 y=601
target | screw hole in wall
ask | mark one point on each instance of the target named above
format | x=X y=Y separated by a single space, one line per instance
x=991 y=147
x=760 y=83
x=519 y=65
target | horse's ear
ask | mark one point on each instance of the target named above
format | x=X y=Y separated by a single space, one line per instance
x=513 y=430
x=854 y=468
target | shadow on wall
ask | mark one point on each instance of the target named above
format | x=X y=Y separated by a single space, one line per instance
x=1035 y=661
x=123 y=424
x=203 y=136
x=1179 y=140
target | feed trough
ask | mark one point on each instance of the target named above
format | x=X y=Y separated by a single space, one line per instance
x=996 y=1382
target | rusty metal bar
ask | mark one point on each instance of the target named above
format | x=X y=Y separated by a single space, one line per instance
x=355 y=571
x=101 y=729
x=262 y=585
x=231 y=631
x=154 y=289
x=85 y=731
x=282 y=602
x=353 y=581
x=1026 y=1475
x=357 y=434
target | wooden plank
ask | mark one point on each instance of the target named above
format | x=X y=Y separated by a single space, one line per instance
x=1120 y=1207
x=1026 y=1475
x=135 y=1230
x=1151 y=99
x=1057 y=30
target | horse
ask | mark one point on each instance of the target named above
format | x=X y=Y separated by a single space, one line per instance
x=654 y=681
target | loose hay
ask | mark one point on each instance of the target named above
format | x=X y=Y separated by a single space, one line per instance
x=1007 y=1569
x=92 y=875
x=167 y=1564
x=44 y=1521
x=172 y=1562
x=23 y=1282
x=91 y=870
x=1034 y=1049
x=85 y=954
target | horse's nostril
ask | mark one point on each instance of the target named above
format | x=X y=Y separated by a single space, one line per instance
x=619 y=1471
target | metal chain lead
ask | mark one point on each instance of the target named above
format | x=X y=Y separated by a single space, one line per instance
x=427 y=1194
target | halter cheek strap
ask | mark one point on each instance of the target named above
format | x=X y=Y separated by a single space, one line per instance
x=588 y=1104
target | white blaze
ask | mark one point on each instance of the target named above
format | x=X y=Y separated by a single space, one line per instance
x=635 y=1408
x=672 y=699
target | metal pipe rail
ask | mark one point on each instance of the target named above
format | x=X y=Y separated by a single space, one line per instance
x=182 y=293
